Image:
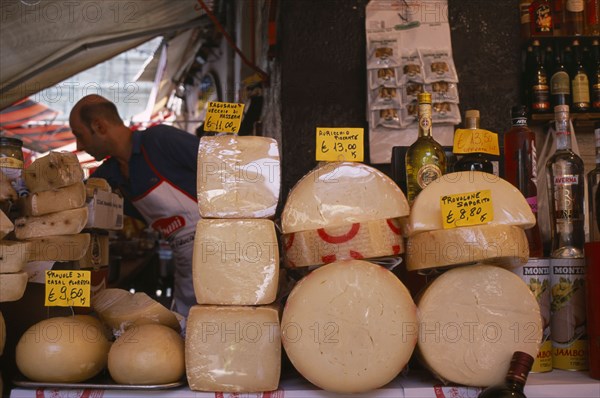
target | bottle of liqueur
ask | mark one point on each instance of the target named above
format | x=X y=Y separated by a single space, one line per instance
x=592 y=11
x=540 y=14
x=475 y=157
x=558 y=17
x=593 y=178
x=425 y=158
x=574 y=17
x=540 y=91
x=580 y=83
x=514 y=383
x=525 y=19
x=560 y=83
x=565 y=182
x=595 y=76
x=520 y=169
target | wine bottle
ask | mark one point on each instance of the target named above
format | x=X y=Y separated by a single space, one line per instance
x=540 y=91
x=565 y=184
x=524 y=18
x=580 y=86
x=514 y=383
x=560 y=83
x=475 y=161
x=558 y=17
x=520 y=169
x=595 y=76
x=592 y=11
x=425 y=158
x=575 y=17
x=593 y=178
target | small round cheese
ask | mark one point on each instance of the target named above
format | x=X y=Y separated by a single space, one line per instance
x=342 y=193
x=349 y=326
x=498 y=244
x=147 y=354
x=62 y=350
x=472 y=319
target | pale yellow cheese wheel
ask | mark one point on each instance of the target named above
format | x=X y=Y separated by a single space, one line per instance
x=147 y=354
x=62 y=350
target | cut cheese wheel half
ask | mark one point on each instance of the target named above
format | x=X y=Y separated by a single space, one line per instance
x=13 y=255
x=472 y=319
x=12 y=286
x=67 y=222
x=342 y=193
x=498 y=244
x=59 y=247
x=238 y=177
x=235 y=262
x=365 y=240
x=349 y=326
x=55 y=170
x=509 y=204
x=6 y=226
x=44 y=202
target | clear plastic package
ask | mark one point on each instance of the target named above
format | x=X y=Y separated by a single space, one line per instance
x=438 y=65
x=412 y=67
x=383 y=52
x=383 y=77
x=389 y=118
x=385 y=98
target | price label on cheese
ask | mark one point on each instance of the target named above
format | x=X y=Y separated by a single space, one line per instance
x=223 y=117
x=335 y=144
x=464 y=209
x=475 y=141
x=68 y=288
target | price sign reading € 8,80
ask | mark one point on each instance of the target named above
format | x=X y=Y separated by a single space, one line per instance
x=223 y=117
x=340 y=144
x=463 y=209
x=68 y=288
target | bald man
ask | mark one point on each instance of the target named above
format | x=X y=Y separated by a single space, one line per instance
x=155 y=171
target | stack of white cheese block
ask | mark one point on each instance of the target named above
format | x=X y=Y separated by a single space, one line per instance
x=477 y=312
x=232 y=337
x=349 y=326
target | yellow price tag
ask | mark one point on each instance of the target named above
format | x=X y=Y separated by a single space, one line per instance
x=68 y=288
x=475 y=140
x=223 y=117
x=336 y=144
x=463 y=209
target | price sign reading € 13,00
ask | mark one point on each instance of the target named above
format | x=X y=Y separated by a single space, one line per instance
x=340 y=144
x=463 y=209
x=223 y=117
x=68 y=288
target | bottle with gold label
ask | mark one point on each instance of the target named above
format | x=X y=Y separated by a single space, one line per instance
x=425 y=158
x=580 y=83
x=11 y=163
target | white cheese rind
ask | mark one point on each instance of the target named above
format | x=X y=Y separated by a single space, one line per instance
x=67 y=222
x=498 y=244
x=336 y=194
x=13 y=255
x=472 y=319
x=510 y=206
x=6 y=226
x=235 y=262
x=370 y=239
x=55 y=170
x=238 y=177
x=59 y=247
x=349 y=326
x=12 y=286
x=52 y=201
x=233 y=348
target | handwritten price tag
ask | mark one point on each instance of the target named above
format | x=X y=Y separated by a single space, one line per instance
x=223 y=117
x=475 y=140
x=340 y=144
x=463 y=209
x=68 y=288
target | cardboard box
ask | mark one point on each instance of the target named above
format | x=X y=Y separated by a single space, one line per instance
x=105 y=211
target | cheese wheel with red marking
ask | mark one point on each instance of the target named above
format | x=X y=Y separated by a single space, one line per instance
x=349 y=326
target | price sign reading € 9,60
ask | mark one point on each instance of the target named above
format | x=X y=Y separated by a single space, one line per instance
x=463 y=209
x=68 y=288
x=223 y=117
x=340 y=144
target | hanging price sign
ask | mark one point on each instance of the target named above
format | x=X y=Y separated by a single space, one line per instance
x=475 y=141
x=336 y=144
x=68 y=288
x=463 y=209
x=223 y=117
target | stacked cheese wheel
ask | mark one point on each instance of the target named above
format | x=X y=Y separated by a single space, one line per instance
x=350 y=325
x=232 y=336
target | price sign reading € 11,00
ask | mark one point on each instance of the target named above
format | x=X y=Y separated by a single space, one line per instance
x=463 y=209
x=68 y=288
x=223 y=117
x=336 y=144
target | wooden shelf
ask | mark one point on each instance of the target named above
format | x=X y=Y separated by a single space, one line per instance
x=584 y=120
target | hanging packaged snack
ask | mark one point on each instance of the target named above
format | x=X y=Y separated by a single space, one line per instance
x=385 y=98
x=443 y=92
x=409 y=113
x=438 y=65
x=384 y=77
x=389 y=118
x=445 y=112
x=383 y=53
x=412 y=67
x=410 y=91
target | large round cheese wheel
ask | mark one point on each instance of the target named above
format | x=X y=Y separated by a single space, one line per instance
x=62 y=350
x=498 y=244
x=509 y=204
x=349 y=326
x=472 y=319
x=147 y=354
x=342 y=193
